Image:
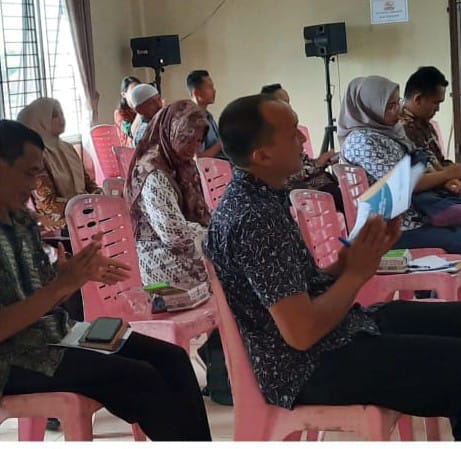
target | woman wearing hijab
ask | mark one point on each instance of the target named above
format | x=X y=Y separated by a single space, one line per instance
x=164 y=193
x=64 y=175
x=125 y=115
x=372 y=137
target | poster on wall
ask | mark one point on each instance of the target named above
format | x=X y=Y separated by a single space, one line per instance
x=388 y=11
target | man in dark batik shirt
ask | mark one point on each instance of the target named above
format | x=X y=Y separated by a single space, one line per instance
x=307 y=342
x=424 y=92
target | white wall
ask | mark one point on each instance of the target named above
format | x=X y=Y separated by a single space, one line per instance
x=251 y=43
x=114 y=23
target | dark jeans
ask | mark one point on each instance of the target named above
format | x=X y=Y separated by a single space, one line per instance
x=429 y=236
x=149 y=381
x=414 y=367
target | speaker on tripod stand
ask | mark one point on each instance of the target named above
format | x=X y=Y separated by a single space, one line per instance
x=156 y=52
x=326 y=41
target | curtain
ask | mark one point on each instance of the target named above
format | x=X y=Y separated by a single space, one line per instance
x=80 y=25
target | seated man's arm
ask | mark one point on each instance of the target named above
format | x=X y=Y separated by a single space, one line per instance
x=21 y=314
x=302 y=322
x=87 y=265
x=438 y=178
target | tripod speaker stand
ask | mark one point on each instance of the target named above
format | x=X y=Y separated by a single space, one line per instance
x=328 y=142
x=326 y=41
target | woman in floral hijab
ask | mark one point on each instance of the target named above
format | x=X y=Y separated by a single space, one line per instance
x=166 y=201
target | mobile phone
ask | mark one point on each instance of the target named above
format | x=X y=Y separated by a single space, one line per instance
x=103 y=330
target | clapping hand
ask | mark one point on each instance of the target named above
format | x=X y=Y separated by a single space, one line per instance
x=88 y=265
x=453 y=186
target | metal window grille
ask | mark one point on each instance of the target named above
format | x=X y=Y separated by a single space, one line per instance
x=37 y=59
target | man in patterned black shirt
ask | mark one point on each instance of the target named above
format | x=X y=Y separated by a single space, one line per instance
x=307 y=342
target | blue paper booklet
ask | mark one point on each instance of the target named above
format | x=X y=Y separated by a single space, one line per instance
x=390 y=196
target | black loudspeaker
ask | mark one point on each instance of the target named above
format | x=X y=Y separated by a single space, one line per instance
x=155 y=51
x=325 y=40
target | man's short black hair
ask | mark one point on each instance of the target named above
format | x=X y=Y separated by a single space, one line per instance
x=13 y=136
x=271 y=88
x=242 y=128
x=195 y=79
x=425 y=81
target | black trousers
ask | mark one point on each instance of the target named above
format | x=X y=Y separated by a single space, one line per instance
x=149 y=381
x=414 y=367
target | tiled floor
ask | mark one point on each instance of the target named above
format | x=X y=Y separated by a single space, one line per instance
x=109 y=428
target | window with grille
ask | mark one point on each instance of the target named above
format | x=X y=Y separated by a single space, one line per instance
x=37 y=59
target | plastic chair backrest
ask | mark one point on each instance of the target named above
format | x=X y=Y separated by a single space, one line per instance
x=353 y=182
x=86 y=215
x=245 y=390
x=104 y=137
x=307 y=145
x=113 y=187
x=438 y=130
x=123 y=156
x=319 y=224
x=215 y=174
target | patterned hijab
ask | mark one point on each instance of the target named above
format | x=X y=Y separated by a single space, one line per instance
x=63 y=162
x=364 y=106
x=166 y=146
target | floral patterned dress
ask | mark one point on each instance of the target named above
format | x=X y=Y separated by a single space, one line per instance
x=168 y=245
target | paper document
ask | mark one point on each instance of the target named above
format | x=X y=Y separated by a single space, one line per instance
x=434 y=263
x=390 y=196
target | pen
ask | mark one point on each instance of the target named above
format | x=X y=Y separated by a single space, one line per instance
x=345 y=242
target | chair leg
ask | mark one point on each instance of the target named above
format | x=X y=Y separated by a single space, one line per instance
x=432 y=429
x=406 y=428
x=294 y=436
x=31 y=429
x=83 y=431
x=138 y=434
x=375 y=427
x=315 y=435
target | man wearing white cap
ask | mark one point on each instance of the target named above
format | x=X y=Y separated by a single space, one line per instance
x=146 y=102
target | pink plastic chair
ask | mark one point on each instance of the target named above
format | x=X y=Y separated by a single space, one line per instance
x=353 y=182
x=317 y=219
x=103 y=138
x=113 y=187
x=215 y=174
x=73 y=410
x=319 y=224
x=256 y=420
x=123 y=156
x=87 y=215
x=438 y=130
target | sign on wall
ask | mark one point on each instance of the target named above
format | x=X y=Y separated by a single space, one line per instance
x=388 y=11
